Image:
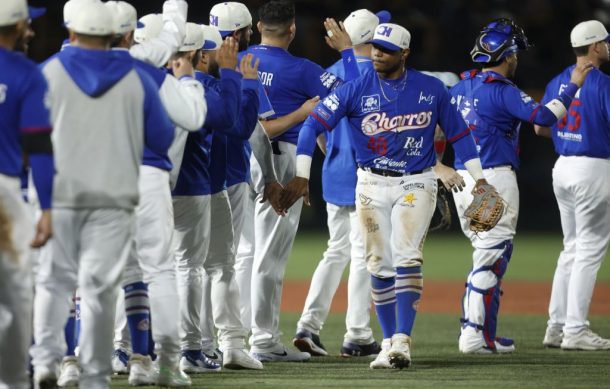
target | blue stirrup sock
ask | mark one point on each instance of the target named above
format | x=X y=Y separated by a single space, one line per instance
x=70 y=330
x=409 y=286
x=384 y=299
x=137 y=310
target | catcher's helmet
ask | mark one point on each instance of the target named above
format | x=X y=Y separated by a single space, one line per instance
x=497 y=40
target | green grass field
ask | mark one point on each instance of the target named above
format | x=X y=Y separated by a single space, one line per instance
x=436 y=361
x=448 y=257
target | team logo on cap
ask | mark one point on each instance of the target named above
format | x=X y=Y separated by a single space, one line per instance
x=370 y=103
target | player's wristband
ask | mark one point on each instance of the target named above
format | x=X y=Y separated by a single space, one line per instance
x=559 y=106
x=303 y=166
x=474 y=168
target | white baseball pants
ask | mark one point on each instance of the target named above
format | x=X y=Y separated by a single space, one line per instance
x=582 y=189
x=244 y=259
x=344 y=244
x=274 y=236
x=90 y=249
x=16 y=288
x=238 y=200
x=486 y=252
x=394 y=215
x=220 y=270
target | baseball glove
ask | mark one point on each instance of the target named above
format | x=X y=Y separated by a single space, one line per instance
x=486 y=208
x=441 y=220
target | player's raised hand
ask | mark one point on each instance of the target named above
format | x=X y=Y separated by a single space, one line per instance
x=336 y=36
x=248 y=69
x=580 y=72
x=182 y=66
x=451 y=179
x=297 y=187
x=44 y=230
x=227 y=54
x=273 y=193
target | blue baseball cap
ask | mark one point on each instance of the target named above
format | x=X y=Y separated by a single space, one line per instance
x=36 y=12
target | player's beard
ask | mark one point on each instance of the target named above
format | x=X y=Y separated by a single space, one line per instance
x=213 y=69
x=386 y=69
x=24 y=37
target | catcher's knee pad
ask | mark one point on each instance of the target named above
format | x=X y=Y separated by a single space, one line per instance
x=486 y=281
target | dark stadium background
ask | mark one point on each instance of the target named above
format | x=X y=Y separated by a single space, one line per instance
x=442 y=35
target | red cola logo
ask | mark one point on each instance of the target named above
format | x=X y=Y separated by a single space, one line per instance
x=377 y=122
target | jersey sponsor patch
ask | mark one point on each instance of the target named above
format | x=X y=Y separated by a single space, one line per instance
x=322 y=113
x=370 y=103
x=332 y=102
x=376 y=123
x=413 y=146
x=427 y=99
x=388 y=163
x=328 y=79
x=525 y=97
x=409 y=199
x=414 y=186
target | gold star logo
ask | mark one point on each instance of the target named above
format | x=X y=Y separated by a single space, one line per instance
x=410 y=198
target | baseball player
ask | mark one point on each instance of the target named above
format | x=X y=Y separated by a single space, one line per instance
x=580 y=182
x=24 y=128
x=393 y=112
x=493 y=107
x=104 y=111
x=197 y=187
x=345 y=241
x=186 y=108
x=289 y=82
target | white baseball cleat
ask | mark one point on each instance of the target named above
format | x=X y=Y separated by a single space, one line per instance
x=585 y=340
x=239 y=359
x=172 y=377
x=69 y=372
x=382 y=361
x=552 y=337
x=141 y=371
x=280 y=354
x=120 y=361
x=213 y=354
x=194 y=362
x=400 y=352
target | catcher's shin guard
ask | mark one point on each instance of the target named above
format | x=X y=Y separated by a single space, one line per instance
x=481 y=301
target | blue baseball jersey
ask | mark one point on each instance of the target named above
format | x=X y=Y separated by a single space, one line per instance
x=494 y=107
x=23 y=110
x=585 y=129
x=227 y=116
x=289 y=81
x=392 y=121
x=339 y=169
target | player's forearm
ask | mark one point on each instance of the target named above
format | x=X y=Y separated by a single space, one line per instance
x=466 y=150
x=555 y=109
x=440 y=143
x=350 y=64
x=542 y=131
x=261 y=149
x=321 y=140
x=305 y=148
x=43 y=171
x=277 y=127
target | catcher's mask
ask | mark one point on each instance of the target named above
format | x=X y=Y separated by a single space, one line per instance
x=498 y=40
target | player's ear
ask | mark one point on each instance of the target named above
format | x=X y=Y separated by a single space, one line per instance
x=72 y=36
x=259 y=27
x=405 y=53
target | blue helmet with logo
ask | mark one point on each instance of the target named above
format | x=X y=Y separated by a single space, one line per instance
x=497 y=40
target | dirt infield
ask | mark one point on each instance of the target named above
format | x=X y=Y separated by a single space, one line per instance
x=444 y=297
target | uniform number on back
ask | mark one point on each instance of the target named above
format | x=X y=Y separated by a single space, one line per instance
x=378 y=145
x=572 y=119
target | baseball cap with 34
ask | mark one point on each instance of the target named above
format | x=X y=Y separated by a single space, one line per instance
x=588 y=32
x=230 y=16
x=391 y=37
